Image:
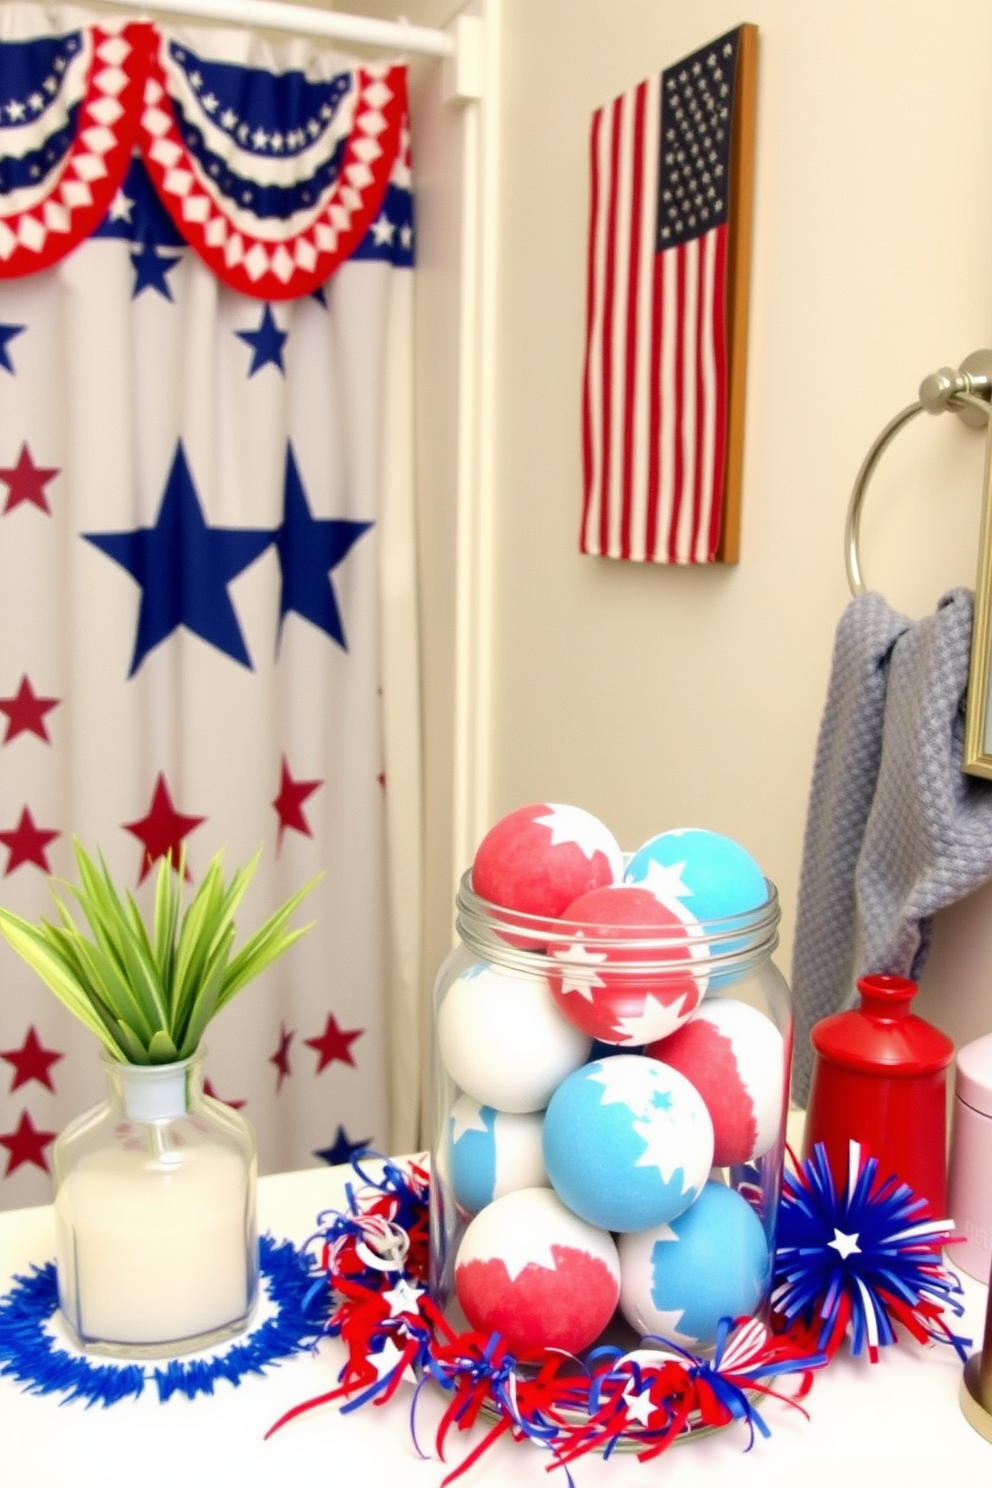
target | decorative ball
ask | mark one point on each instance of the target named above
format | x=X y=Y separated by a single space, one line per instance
x=628 y=1142
x=679 y=1279
x=492 y=1153
x=528 y=1269
x=735 y=1057
x=615 y=989
x=710 y=875
x=503 y=1040
x=539 y=858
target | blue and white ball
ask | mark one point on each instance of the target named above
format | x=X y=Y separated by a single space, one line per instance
x=628 y=1142
x=503 y=1040
x=492 y=1153
x=679 y=1279
x=708 y=874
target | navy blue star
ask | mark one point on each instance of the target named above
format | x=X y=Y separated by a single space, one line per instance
x=342 y=1150
x=266 y=343
x=184 y=568
x=150 y=268
x=309 y=549
x=7 y=334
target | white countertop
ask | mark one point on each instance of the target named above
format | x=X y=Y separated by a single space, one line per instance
x=896 y=1422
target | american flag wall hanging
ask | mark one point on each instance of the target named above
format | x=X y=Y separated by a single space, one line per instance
x=666 y=323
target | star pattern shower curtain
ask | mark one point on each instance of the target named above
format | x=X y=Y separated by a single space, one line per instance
x=207 y=597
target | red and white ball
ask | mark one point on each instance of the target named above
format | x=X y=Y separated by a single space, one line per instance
x=529 y=1269
x=735 y=1057
x=612 y=987
x=539 y=858
x=504 y=1041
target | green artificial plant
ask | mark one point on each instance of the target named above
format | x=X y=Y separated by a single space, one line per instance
x=149 y=994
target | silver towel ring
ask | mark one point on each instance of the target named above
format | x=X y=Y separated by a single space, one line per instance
x=968 y=391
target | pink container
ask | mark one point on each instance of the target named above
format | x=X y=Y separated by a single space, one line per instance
x=970 y=1174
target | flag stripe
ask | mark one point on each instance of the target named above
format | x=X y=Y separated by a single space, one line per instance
x=609 y=292
x=721 y=384
x=589 y=443
x=655 y=393
x=630 y=348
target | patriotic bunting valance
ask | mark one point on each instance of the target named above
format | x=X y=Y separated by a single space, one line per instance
x=274 y=179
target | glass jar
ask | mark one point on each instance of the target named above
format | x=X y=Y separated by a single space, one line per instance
x=156 y=1232
x=609 y=1109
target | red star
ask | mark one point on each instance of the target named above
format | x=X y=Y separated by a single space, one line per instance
x=281 y=1057
x=26 y=481
x=26 y=1144
x=334 y=1043
x=208 y=1089
x=26 y=712
x=163 y=829
x=289 y=803
x=27 y=843
x=31 y=1061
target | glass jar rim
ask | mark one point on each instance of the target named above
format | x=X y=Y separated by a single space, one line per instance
x=523 y=941
x=111 y=1062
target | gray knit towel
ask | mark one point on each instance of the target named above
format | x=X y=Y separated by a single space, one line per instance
x=895 y=830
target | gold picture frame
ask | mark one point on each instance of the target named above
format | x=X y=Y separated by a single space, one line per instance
x=978 y=707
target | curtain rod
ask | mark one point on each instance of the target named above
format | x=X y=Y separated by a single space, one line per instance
x=272 y=15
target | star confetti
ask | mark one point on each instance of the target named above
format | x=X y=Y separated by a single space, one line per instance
x=184 y=567
x=208 y=1089
x=26 y=1144
x=26 y=482
x=32 y=1061
x=281 y=1057
x=342 y=1149
x=26 y=712
x=288 y=804
x=334 y=1044
x=27 y=843
x=164 y=829
x=266 y=343
x=7 y=334
x=151 y=269
x=310 y=549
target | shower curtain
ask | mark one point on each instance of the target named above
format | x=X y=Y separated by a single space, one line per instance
x=207 y=592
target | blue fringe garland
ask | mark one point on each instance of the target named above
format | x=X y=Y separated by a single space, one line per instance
x=32 y=1356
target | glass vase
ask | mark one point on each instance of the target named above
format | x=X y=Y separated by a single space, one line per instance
x=156 y=1231
x=532 y=1085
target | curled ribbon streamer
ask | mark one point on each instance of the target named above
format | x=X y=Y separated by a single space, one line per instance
x=566 y=1406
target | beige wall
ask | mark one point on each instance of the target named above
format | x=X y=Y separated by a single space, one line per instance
x=661 y=697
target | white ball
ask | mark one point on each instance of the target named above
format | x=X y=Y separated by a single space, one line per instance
x=503 y=1040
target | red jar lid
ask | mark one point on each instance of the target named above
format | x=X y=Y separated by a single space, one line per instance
x=882 y=1033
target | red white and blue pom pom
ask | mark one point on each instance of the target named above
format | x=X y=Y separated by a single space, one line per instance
x=861 y=1260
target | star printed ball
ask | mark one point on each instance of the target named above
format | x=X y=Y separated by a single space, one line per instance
x=538 y=859
x=631 y=970
x=710 y=875
x=492 y=1153
x=503 y=1040
x=628 y=1142
x=531 y=1271
x=735 y=1057
x=679 y=1279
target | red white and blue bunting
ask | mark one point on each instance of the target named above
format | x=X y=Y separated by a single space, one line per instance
x=273 y=179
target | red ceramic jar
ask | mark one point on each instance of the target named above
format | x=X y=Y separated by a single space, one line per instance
x=880 y=1078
